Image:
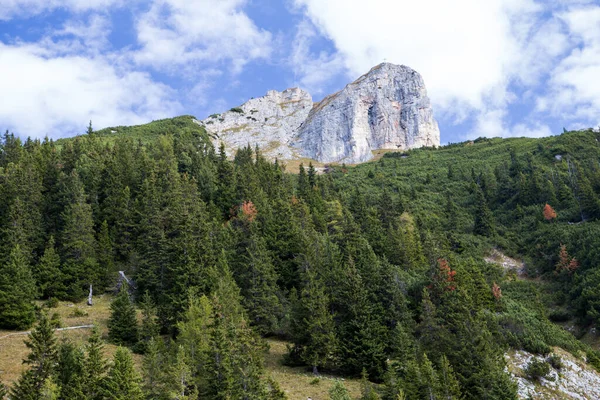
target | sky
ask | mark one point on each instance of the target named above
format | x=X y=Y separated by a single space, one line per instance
x=492 y=68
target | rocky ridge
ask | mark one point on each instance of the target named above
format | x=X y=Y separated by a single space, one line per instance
x=387 y=108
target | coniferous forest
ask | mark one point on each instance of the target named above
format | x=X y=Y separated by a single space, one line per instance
x=376 y=270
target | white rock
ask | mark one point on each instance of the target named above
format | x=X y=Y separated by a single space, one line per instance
x=270 y=122
x=387 y=108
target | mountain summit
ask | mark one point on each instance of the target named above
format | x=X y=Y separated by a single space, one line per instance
x=386 y=108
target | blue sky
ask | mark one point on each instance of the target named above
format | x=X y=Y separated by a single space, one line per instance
x=492 y=68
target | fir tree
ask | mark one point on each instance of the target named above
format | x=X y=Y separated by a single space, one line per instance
x=70 y=372
x=41 y=359
x=122 y=324
x=17 y=291
x=78 y=242
x=48 y=273
x=149 y=329
x=449 y=388
x=339 y=392
x=484 y=221
x=123 y=382
x=105 y=256
x=95 y=367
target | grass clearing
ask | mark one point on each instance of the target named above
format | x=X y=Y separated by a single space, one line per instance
x=298 y=383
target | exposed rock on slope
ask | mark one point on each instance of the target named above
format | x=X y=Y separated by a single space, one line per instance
x=387 y=108
x=575 y=380
x=269 y=122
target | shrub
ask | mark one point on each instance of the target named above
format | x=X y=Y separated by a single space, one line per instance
x=55 y=321
x=237 y=110
x=555 y=361
x=52 y=302
x=77 y=312
x=537 y=369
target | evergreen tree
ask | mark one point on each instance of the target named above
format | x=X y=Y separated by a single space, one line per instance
x=41 y=359
x=259 y=287
x=123 y=382
x=48 y=273
x=149 y=329
x=449 y=388
x=17 y=291
x=78 y=242
x=122 y=324
x=3 y=391
x=70 y=372
x=313 y=327
x=105 y=256
x=339 y=392
x=484 y=221
x=95 y=367
x=366 y=388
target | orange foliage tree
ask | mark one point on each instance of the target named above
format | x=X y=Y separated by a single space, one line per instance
x=446 y=274
x=496 y=291
x=248 y=210
x=549 y=213
x=565 y=262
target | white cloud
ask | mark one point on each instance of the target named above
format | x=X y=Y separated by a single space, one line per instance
x=574 y=93
x=193 y=34
x=312 y=70
x=46 y=93
x=473 y=54
x=24 y=8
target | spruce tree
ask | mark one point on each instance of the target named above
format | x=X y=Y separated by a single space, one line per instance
x=449 y=388
x=122 y=324
x=339 y=392
x=95 y=367
x=3 y=391
x=484 y=220
x=48 y=273
x=17 y=291
x=70 y=372
x=105 y=256
x=149 y=329
x=259 y=287
x=41 y=359
x=78 y=242
x=122 y=381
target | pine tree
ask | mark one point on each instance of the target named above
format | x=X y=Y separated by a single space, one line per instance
x=78 y=242
x=105 y=256
x=259 y=287
x=42 y=358
x=95 y=367
x=70 y=372
x=149 y=329
x=484 y=221
x=48 y=273
x=339 y=392
x=122 y=324
x=449 y=388
x=17 y=291
x=123 y=382
x=313 y=327
x=366 y=388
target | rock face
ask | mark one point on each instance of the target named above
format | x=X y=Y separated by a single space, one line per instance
x=387 y=108
x=269 y=122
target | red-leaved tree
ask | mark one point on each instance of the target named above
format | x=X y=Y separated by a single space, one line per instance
x=565 y=262
x=549 y=213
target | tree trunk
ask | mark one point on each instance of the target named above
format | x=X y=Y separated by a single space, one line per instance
x=89 y=302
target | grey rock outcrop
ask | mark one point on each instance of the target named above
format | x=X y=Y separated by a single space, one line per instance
x=269 y=122
x=387 y=108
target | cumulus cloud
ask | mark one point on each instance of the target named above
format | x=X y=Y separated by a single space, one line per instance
x=47 y=93
x=475 y=56
x=574 y=83
x=312 y=70
x=193 y=34
x=25 y=8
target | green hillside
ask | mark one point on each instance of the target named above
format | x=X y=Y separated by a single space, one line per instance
x=394 y=269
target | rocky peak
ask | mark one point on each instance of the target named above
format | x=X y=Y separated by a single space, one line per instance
x=387 y=108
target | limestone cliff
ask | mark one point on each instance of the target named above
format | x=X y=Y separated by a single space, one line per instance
x=387 y=108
